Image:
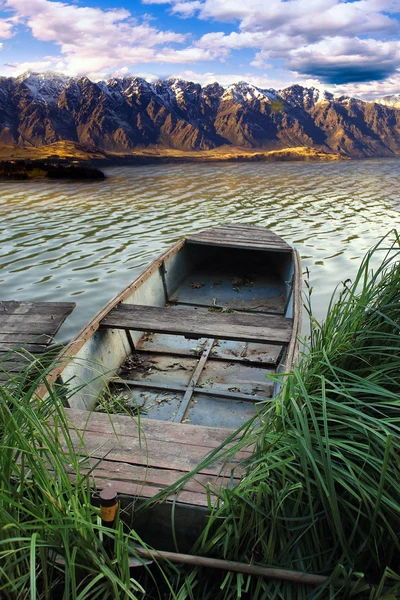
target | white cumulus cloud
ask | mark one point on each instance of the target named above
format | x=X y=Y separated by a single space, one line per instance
x=95 y=42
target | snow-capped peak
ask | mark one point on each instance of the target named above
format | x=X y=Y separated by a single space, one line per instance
x=393 y=100
x=44 y=87
x=297 y=95
x=243 y=92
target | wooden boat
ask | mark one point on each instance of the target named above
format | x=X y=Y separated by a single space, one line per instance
x=189 y=346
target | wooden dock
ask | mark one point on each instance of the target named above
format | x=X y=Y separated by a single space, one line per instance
x=27 y=330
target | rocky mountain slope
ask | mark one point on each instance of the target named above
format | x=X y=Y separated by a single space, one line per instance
x=121 y=115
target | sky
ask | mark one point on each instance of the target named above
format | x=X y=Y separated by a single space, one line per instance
x=347 y=47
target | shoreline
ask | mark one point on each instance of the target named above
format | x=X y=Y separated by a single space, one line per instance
x=71 y=156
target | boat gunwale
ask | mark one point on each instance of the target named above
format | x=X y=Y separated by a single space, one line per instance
x=90 y=328
x=297 y=311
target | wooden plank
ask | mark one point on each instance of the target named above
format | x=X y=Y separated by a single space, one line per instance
x=250 y=230
x=23 y=322
x=192 y=383
x=28 y=325
x=264 y=329
x=245 y=244
x=100 y=423
x=145 y=491
x=143 y=465
x=135 y=474
x=13 y=367
x=255 y=230
x=29 y=329
x=236 y=244
x=143 y=383
x=20 y=340
x=149 y=452
x=193 y=354
x=240 y=236
x=247 y=227
x=15 y=307
x=247 y=233
x=16 y=356
x=29 y=318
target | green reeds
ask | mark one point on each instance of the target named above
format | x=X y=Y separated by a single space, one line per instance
x=52 y=541
x=322 y=490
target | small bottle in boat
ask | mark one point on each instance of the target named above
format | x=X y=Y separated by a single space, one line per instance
x=108 y=512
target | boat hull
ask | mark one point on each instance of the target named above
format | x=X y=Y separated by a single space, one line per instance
x=186 y=352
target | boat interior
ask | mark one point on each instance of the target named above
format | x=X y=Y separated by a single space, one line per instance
x=196 y=339
x=187 y=350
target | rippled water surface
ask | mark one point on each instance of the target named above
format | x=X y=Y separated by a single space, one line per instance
x=83 y=242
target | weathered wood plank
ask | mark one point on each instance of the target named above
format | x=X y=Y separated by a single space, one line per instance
x=15 y=356
x=206 y=437
x=7 y=318
x=236 y=326
x=236 y=244
x=10 y=366
x=28 y=329
x=240 y=236
x=146 y=491
x=217 y=393
x=192 y=383
x=56 y=308
x=20 y=340
x=149 y=452
x=142 y=461
x=257 y=355
x=28 y=325
x=34 y=322
x=152 y=477
x=242 y=243
x=7 y=348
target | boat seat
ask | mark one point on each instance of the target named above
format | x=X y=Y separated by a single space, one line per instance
x=245 y=327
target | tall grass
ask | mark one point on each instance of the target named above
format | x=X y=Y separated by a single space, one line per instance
x=52 y=542
x=322 y=489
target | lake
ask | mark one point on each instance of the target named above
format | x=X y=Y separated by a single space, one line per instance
x=84 y=241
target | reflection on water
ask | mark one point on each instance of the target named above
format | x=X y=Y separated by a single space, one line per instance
x=83 y=242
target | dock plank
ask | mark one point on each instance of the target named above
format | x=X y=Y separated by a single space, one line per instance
x=27 y=329
x=261 y=328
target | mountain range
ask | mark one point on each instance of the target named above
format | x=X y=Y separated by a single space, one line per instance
x=126 y=114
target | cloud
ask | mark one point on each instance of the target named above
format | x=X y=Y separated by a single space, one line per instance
x=95 y=42
x=7 y=28
x=314 y=19
x=39 y=65
x=187 y=9
x=371 y=89
x=300 y=33
x=343 y=60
